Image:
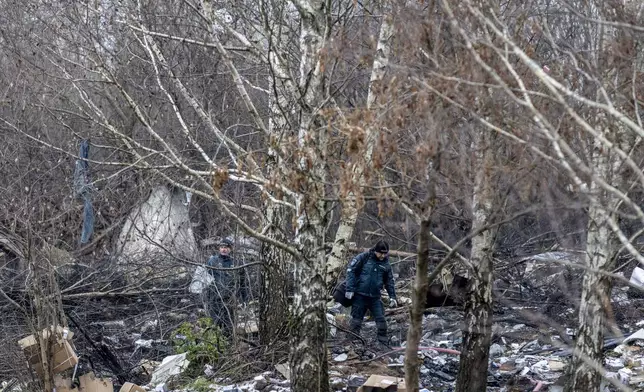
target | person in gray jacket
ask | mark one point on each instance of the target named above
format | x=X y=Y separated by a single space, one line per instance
x=366 y=275
x=228 y=287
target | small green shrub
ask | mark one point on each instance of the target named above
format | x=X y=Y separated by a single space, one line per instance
x=203 y=342
x=200 y=384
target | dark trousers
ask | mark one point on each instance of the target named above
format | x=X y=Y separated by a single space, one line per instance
x=221 y=310
x=362 y=303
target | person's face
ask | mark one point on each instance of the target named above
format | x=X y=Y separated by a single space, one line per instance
x=224 y=250
x=381 y=255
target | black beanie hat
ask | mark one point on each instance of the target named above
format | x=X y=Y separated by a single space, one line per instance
x=381 y=247
x=226 y=242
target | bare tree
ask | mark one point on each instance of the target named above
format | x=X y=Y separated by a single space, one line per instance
x=351 y=200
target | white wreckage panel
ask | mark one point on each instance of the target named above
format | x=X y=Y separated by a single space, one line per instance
x=159 y=229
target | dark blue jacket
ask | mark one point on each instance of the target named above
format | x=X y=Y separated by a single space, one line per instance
x=228 y=283
x=366 y=275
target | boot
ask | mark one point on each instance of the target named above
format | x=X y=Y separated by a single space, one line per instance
x=382 y=333
x=354 y=327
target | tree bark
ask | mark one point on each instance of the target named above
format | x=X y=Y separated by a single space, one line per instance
x=273 y=305
x=596 y=287
x=309 y=368
x=421 y=280
x=273 y=299
x=477 y=331
x=308 y=362
x=350 y=206
x=419 y=299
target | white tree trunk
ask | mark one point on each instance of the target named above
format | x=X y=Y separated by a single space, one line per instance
x=308 y=362
x=273 y=300
x=601 y=246
x=350 y=206
x=274 y=287
x=601 y=240
x=477 y=331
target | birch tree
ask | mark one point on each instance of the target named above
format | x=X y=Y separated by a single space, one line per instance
x=351 y=201
x=477 y=332
x=602 y=245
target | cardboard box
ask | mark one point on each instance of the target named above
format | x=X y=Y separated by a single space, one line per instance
x=62 y=353
x=129 y=387
x=377 y=383
x=63 y=358
x=89 y=383
x=30 y=340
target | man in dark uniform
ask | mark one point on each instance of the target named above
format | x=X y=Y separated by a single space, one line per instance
x=366 y=275
x=227 y=289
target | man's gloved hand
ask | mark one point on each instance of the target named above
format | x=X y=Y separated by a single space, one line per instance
x=349 y=294
x=393 y=303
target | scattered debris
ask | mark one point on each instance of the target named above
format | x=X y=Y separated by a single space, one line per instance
x=200 y=280
x=376 y=383
x=330 y=319
x=639 y=335
x=129 y=387
x=248 y=327
x=341 y=357
x=170 y=366
x=88 y=383
x=284 y=370
x=637 y=278
x=526 y=355
x=63 y=384
x=62 y=353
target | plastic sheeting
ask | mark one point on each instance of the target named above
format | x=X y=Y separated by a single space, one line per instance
x=200 y=280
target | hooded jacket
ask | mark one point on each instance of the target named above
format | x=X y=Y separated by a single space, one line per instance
x=228 y=283
x=366 y=275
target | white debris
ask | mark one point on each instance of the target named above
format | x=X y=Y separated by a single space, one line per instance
x=150 y=325
x=556 y=365
x=341 y=358
x=440 y=361
x=143 y=343
x=637 y=277
x=625 y=375
x=496 y=349
x=161 y=388
x=330 y=319
x=619 y=349
x=170 y=366
x=639 y=335
x=540 y=367
x=614 y=363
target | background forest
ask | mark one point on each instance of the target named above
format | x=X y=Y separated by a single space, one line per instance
x=471 y=135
